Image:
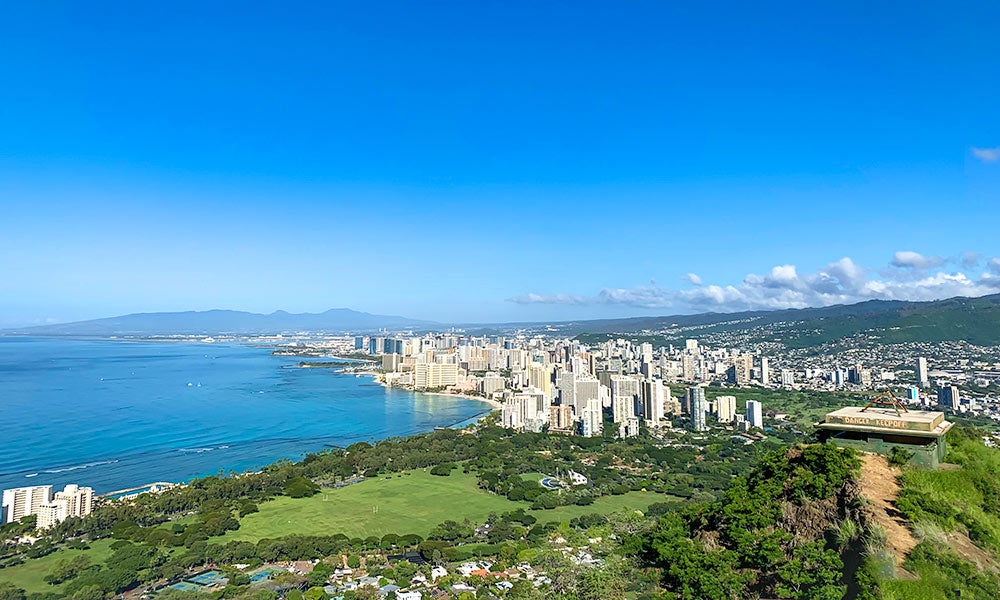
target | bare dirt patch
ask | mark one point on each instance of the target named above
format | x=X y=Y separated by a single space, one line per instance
x=879 y=485
x=963 y=546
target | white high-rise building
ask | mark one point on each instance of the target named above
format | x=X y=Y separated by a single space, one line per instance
x=922 y=379
x=566 y=382
x=765 y=371
x=80 y=500
x=755 y=415
x=587 y=389
x=592 y=422
x=434 y=375
x=725 y=408
x=698 y=407
x=73 y=501
x=24 y=501
x=512 y=414
x=787 y=377
x=492 y=382
x=623 y=393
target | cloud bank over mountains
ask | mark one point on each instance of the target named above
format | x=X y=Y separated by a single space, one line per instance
x=909 y=276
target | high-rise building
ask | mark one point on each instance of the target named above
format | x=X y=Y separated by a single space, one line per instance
x=787 y=377
x=628 y=428
x=492 y=383
x=698 y=407
x=592 y=421
x=24 y=501
x=566 y=384
x=739 y=373
x=859 y=375
x=512 y=413
x=765 y=371
x=391 y=362
x=73 y=501
x=587 y=388
x=755 y=414
x=725 y=408
x=651 y=401
x=434 y=375
x=839 y=377
x=623 y=394
x=688 y=372
x=540 y=376
x=561 y=418
x=948 y=397
x=922 y=379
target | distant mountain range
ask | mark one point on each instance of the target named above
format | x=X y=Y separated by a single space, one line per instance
x=975 y=320
x=213 y=322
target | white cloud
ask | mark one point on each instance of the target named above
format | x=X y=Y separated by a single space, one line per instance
x=693 y=279
x=970 y=260
x=988 y=155
x=840 y=282
x=550 y=299
x=914 y=260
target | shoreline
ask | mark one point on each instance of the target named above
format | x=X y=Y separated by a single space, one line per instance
x=132 y=474
x=496 y=405
x=378 y=379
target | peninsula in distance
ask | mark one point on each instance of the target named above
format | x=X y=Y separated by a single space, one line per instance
x=499 y=301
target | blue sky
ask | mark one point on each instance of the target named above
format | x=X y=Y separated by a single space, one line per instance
x=494 y=161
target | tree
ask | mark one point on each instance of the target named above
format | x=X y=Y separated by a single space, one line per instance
x=316 y=593
x=300 y=487
x=524 y=590
x=811 y=574
x=8 y=591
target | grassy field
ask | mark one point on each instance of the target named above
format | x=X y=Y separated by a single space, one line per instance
x=962 y=501
x=411 y=503
x=28 y=576
x=605 y=504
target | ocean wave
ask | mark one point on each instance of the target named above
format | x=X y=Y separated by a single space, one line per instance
x=205 y=449
x=78 y=467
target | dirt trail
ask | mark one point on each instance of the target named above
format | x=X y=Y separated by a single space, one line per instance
x=878 y=484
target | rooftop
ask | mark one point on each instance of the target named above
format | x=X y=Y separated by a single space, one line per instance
x=924 y=423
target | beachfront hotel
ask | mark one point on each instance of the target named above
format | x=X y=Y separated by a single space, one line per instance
x=23 y=501
x=49 y=509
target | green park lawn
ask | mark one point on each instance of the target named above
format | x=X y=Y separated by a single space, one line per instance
x=28 y=576
x=414 y=502
x=603 y=505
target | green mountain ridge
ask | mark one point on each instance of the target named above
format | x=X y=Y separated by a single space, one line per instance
x=975 y=320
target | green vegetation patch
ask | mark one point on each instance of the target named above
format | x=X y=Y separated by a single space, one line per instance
x=410 y=502
x=967 y=499
x=30 y=575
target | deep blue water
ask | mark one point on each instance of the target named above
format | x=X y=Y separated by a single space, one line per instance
x=112 y=414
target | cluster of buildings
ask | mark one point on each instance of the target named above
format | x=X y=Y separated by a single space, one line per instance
x=49 y=509
x=563 y=386
x=724 y=409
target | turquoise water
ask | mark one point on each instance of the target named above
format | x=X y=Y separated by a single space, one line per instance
x=112 y=414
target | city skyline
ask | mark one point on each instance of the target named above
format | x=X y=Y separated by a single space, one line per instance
x=489 y=164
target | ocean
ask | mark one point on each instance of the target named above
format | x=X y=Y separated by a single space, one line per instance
x=117 y=414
